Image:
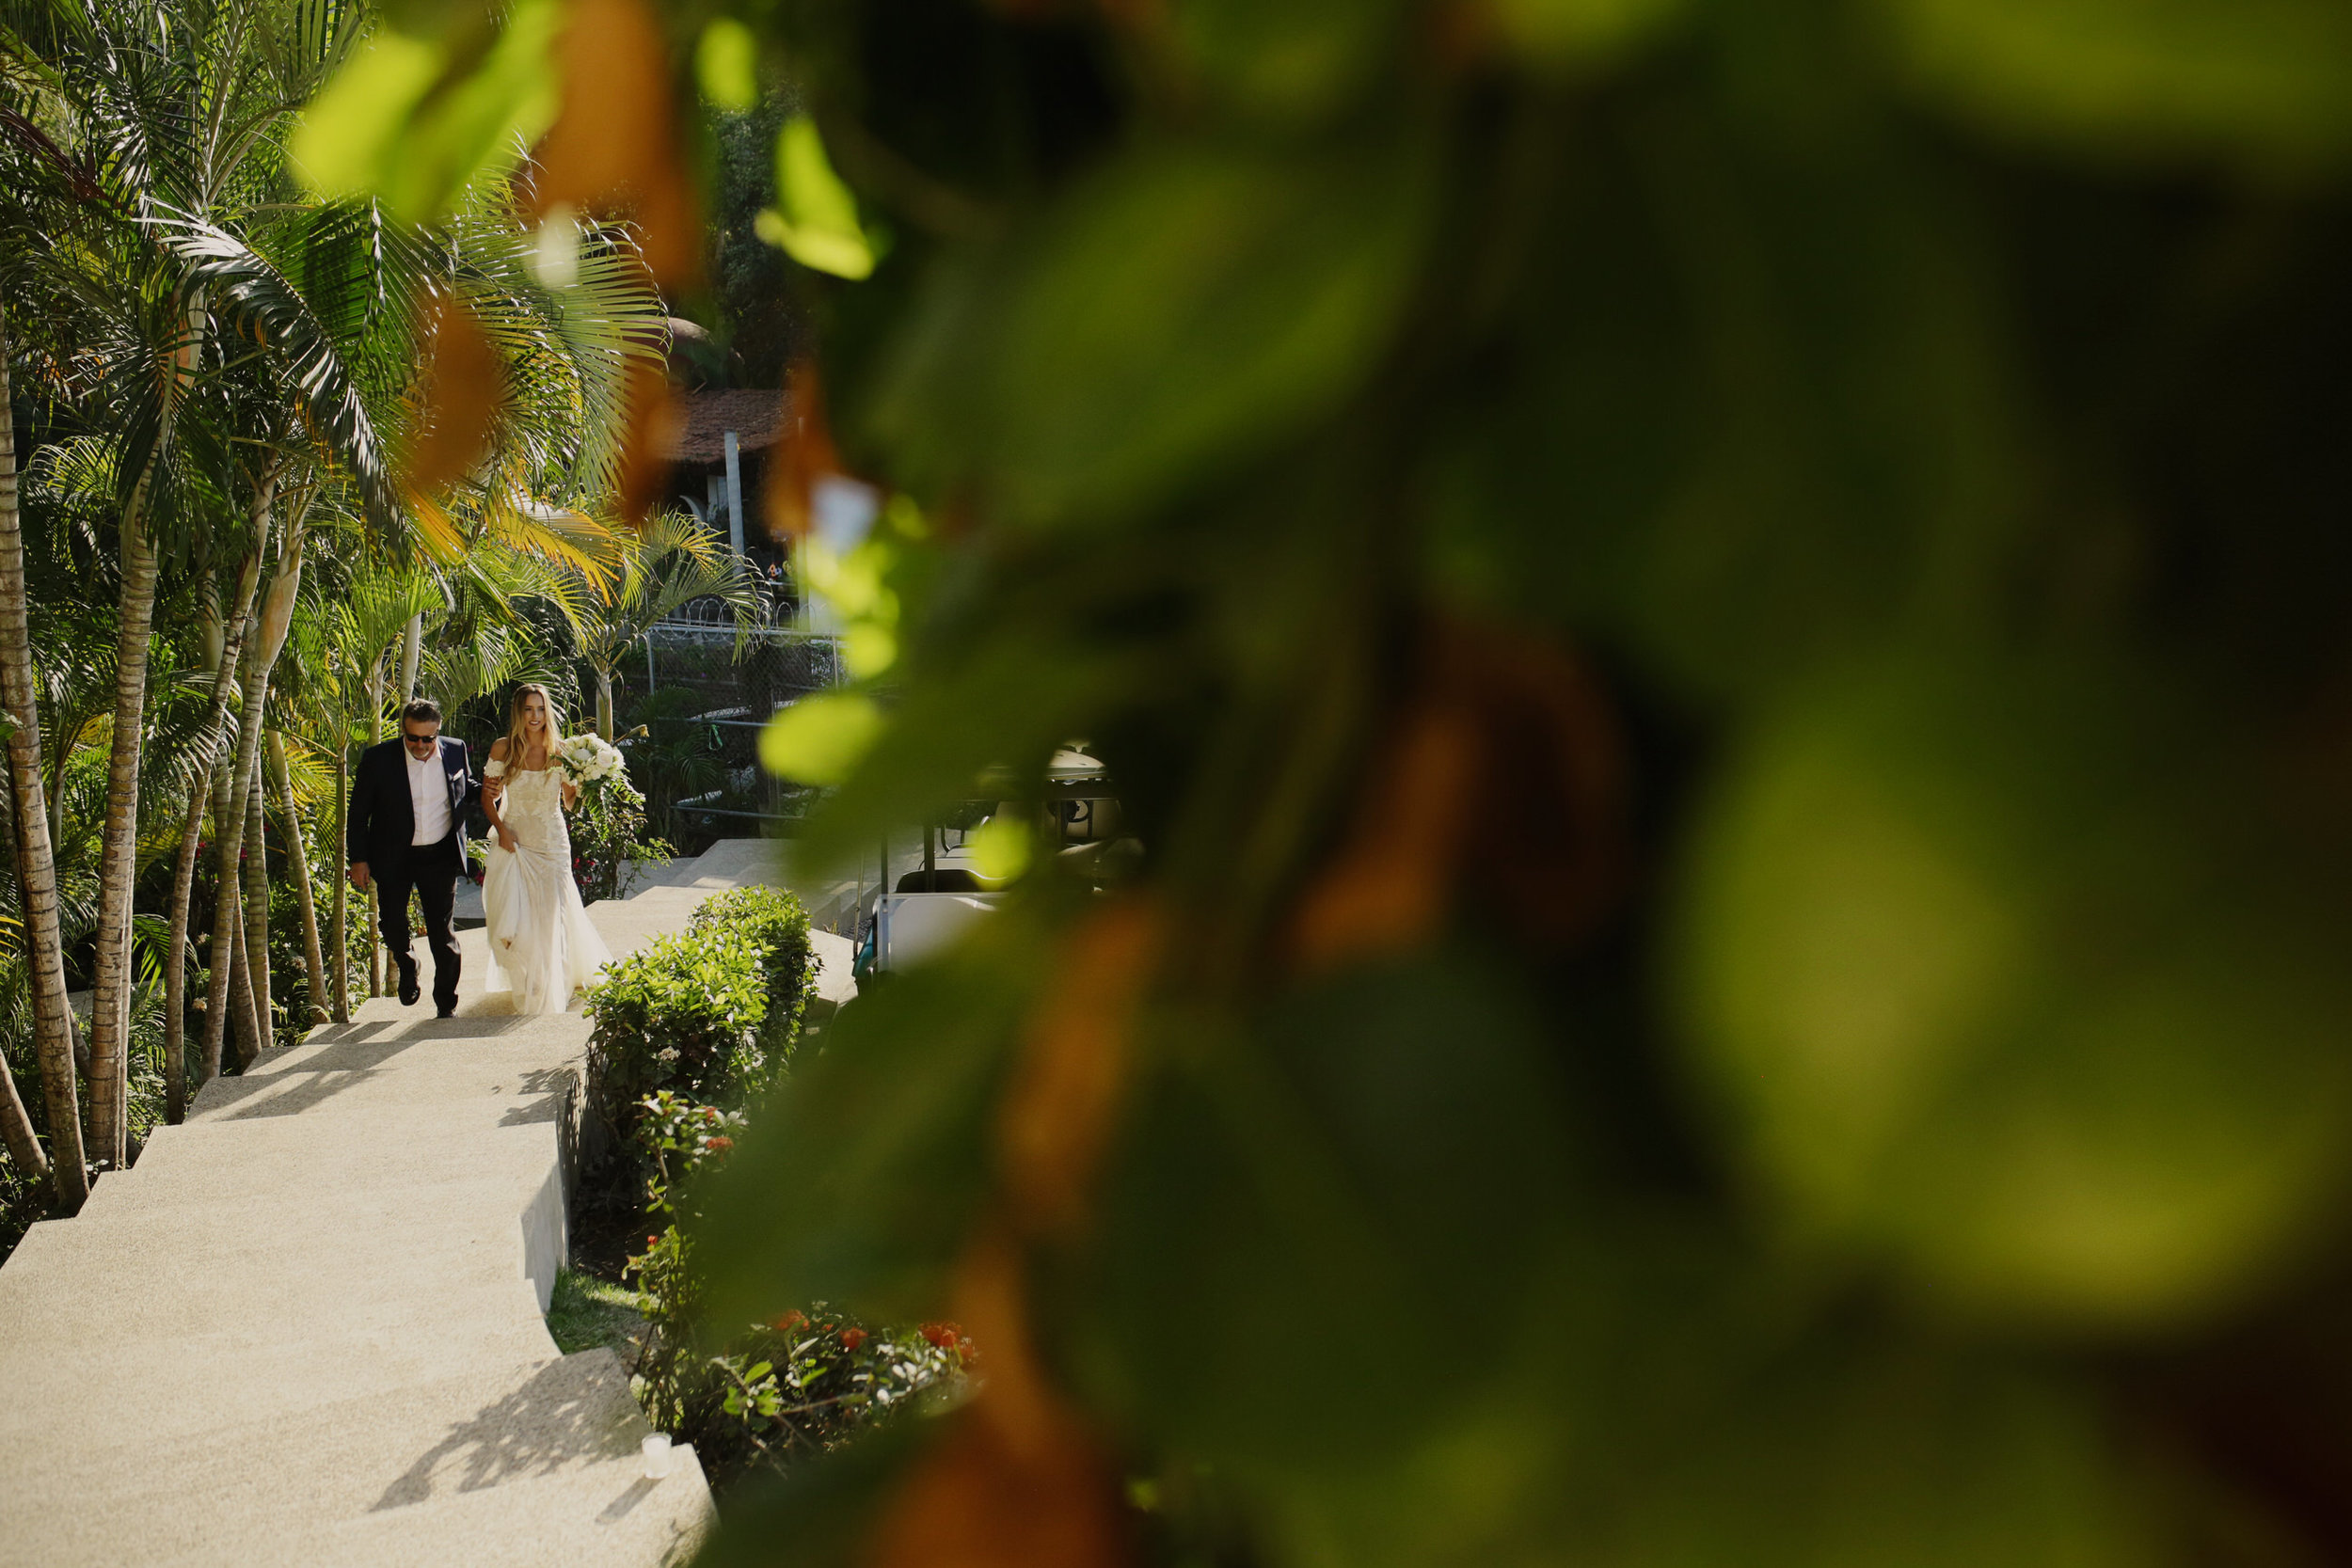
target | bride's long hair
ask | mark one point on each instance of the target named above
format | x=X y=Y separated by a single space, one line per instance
x=517 y=741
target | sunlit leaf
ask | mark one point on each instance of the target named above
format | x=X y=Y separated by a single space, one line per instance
x=414 y=123
x=1999 y=979
x=821 y=739
x=727 y=63
x=814 y=220
x=2266 y=82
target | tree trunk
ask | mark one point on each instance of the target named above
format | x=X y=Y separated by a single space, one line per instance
x=241 y=994
x=375 y=734
x=604 y=702
x=256 y=877
x=274 y=621
x=298 y=864
x=412 y=656
x=36 y=871
x=229 y=807
x=16 y=1128
x=110 y=1012
x=222 y=650
x=340 y=998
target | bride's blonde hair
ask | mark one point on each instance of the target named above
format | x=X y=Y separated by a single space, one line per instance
x=515 y=739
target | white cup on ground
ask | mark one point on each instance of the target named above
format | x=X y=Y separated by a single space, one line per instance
x=656 y=1451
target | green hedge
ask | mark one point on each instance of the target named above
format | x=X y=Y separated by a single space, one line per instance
x=704 y=1012
x=685 y=1013
x=777 y=924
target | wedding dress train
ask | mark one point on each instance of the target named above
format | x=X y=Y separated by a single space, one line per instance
x=542 y=947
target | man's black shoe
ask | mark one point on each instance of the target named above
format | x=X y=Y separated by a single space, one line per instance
x=445 y=1012
x=408 y=988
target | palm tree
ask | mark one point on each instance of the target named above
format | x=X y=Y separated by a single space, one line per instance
x=672 y=563
x=177 y=111
x=35 y=868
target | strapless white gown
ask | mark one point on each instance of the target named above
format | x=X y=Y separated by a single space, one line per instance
x=542 y=947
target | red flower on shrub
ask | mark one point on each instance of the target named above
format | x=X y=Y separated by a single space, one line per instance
x=853 y=1338
x=943 y=1335
x=719 y=1143
x=790 y=1320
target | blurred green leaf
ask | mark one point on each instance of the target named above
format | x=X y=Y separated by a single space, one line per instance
x=1765 y=405
x=821 y=739
x=1848 y=1451
x=1584 y=31
x=726 y=64
x=1998 y=975
x=1335 y=1177
x=1005 y=705
x=1185 y=308
x=2266 y=82
x=1289 y=58
x=414 y=121
x=857 y=1181
x=814 y=220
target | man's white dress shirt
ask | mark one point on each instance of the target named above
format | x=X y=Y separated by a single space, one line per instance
x=428 y=795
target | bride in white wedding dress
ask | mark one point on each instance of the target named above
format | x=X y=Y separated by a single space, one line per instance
x=542 y=947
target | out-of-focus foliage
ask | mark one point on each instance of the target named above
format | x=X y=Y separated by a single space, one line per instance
x=1724 y=626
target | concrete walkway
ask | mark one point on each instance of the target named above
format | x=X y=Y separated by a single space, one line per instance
x=305 y=1328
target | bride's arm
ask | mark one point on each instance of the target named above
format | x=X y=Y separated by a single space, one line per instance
x=494 y=772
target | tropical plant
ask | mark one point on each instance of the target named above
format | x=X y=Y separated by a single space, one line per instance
x=1722 y=621
x=670 y=563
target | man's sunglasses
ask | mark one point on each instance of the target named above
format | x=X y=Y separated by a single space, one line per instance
x=415 y=739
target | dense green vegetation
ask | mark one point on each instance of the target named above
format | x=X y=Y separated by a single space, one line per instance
x=692 y=1034
x=1722 y=622
x=1722 y=625
x=278 y=462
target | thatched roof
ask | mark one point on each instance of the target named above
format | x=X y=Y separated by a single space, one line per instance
x=756 y=417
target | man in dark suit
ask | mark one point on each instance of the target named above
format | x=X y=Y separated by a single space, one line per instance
x=407 y=830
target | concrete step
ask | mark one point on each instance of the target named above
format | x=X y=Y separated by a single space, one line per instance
x=389 y=1144
x=127 y=1263
x=607 y=1516
x=530 y=1072
x=538 y=1464
x=459 y=1431
x=180 y=1367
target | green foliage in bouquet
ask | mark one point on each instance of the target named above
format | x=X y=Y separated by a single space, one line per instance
x=1723 y=623
x=608 y=838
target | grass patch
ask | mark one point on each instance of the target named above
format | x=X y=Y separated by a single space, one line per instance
x=586 y=1312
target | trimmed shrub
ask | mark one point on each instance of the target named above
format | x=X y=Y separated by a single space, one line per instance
x=686 y=1014
x=775 y=921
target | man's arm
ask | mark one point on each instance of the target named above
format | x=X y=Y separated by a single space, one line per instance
x=473 y=781
x=361 y=815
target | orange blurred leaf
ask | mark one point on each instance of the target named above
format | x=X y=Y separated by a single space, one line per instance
x=654 y=426
x=463 y=386
x=1393 y=879
x=1503 y=771
x=614 y=149
x=1057 y=1115
x=804 y=456
x=976 y=1503
x=1019 y=1481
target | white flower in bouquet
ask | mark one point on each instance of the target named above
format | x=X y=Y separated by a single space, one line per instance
x=587 y=759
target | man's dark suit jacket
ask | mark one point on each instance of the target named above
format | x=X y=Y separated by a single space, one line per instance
x=382 y=818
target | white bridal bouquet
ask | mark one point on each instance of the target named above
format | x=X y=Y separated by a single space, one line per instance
x=588 y=758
